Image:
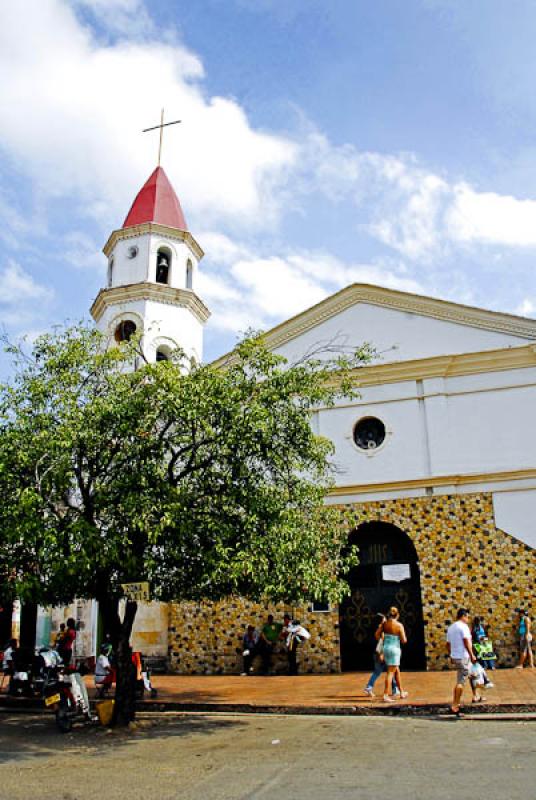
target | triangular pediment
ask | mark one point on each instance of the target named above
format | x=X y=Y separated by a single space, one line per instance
x=405 y=302
x=387 y=317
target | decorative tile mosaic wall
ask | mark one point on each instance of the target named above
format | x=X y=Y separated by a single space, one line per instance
x=464 y=561
x=206 y=638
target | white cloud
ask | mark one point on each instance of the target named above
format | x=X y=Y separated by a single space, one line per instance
x=85 y=104
x=422 y=214
x=223 y=250
x=22 y=299
x=259 y=291
x=276 y=287
x=86 y=101
x=120 y=16
x=527 y=308
x=72 y=114
x=17 y=286
x=491 y=218
x=409 y=208
x=81 y=251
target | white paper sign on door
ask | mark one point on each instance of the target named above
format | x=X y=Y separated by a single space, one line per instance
x=396 y=572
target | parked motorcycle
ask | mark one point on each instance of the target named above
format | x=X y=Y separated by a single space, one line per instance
x=65 y=693
x=45 y=665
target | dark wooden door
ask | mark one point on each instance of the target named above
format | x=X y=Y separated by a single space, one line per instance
x=373 y=592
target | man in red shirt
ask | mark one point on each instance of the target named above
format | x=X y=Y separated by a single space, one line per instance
x=68 y=641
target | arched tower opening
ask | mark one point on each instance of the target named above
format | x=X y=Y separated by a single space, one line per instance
x=163 y=353
x=163 y=265
x=125 y=330
x=189 y=274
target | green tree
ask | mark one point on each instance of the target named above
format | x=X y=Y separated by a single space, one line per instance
x=206 y=483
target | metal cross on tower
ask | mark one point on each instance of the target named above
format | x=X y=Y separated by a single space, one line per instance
x=161 y=128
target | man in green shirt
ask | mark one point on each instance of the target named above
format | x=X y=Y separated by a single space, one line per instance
x=268 y=640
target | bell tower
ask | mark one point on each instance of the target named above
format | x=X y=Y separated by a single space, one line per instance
x=152 y=274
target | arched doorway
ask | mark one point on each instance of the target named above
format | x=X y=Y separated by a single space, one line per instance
x=387 y=575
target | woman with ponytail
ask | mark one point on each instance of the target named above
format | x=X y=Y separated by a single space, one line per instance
x=394 y=636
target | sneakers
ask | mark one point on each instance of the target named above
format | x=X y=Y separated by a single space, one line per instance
x=489 y=685
x=368 y=690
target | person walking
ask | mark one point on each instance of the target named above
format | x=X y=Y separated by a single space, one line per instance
x=460 y=650
x=294 y=634
x=525 y=639
x=379 y=661
x=394 y=636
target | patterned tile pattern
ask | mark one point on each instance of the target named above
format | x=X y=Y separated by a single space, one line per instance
x=464 y=561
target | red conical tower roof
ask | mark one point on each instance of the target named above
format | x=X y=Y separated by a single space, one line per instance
x=156 y=202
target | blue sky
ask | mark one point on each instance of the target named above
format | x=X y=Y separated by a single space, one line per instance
x=321 y=144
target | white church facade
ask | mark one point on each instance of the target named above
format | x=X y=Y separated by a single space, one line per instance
x=437 y=454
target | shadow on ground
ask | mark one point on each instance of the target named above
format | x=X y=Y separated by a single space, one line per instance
x=35 y=735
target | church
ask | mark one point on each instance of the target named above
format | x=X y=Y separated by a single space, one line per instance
x=437 y=455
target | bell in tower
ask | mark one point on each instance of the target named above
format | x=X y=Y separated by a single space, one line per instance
x=162 y=267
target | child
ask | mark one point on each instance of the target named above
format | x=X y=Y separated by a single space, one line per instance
x=484 y=653
x=477 y=677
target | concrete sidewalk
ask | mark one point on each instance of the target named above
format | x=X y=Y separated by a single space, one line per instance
x=514 y=690
x=341 y=694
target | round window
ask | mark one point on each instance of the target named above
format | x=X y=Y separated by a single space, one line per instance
x=125 y=330
x=369 y=433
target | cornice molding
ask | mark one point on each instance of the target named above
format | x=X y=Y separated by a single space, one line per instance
x=184 y=298
x=152 y=227
x=400 y=301
x=505 y=358
x=436 y=480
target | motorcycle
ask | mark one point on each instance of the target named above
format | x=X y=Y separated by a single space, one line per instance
x=65 y=693
x=46 y=662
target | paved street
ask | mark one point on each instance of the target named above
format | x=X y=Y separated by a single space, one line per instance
x=232 y=757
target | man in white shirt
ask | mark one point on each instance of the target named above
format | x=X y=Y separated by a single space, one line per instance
x=460 y=649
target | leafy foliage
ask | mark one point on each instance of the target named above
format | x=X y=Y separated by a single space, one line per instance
x=205 y=483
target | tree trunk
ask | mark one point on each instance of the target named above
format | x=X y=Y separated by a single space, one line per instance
x=125 y=688
x=28 y=624
x=119 y=633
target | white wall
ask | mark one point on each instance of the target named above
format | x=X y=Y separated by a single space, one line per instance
x=447 y=426
x=162 y=323
x=411 y=335
x=515 y=513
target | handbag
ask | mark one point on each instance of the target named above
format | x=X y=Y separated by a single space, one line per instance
x=379 y=649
